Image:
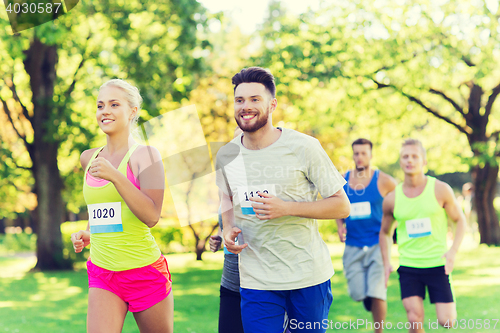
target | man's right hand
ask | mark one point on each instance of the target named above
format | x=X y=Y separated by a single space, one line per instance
x=215 y=243
x=341 y=231
x=229 y=240
x=388 y=270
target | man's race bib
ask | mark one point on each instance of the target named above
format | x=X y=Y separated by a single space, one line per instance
x=419 y=227
x=105 y=217
x=245 y=193
x=360 y=210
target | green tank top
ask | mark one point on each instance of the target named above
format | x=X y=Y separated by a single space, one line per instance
x=133 y=247
x=422 y=228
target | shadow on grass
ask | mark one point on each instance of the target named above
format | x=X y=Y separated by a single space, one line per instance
x=49 y=302
x=476 y=284
x=196 y=297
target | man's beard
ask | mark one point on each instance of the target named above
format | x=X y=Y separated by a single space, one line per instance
x=362 y=168
x=261 y=122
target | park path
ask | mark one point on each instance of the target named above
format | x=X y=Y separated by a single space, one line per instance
x=30 y=254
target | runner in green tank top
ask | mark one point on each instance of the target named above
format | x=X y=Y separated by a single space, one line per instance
x=421 y=205
x=124 y=187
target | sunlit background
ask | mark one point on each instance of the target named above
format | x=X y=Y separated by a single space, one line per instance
x=384 y=69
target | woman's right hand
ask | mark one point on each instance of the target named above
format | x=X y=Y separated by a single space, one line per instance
x=80 y=239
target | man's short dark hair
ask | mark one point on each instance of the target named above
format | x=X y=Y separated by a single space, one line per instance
x=362 y=141
x=258 y=75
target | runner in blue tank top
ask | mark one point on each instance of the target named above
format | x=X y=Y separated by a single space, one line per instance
x=363 y=265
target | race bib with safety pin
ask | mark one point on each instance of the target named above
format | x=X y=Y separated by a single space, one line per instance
x=419 y=227
x=360 y=210
x=105 y=217
x=245 y=193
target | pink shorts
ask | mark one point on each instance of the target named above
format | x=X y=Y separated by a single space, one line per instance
x=140 y=288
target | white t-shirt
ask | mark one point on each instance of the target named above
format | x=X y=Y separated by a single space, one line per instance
x=288 y=252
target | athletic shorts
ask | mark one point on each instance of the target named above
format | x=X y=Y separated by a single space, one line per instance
x=414 y=280
x=264 y=311
x=140 y=288
x=364 y=271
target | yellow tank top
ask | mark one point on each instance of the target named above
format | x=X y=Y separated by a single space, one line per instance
x=422 y=228
x=133 y=247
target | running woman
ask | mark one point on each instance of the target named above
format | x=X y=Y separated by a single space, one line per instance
x=421 y=206
x=363 y=265
x=270 y=178
x=123 y=188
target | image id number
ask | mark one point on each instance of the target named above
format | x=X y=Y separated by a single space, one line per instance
x=33 y=8
x=473 y=324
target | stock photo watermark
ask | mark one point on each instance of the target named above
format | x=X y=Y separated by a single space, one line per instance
x=26 y=14
x=487 y=324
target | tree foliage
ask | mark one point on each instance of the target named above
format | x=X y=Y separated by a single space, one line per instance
x=213 y=98
x=50 y=78
x=399 y=66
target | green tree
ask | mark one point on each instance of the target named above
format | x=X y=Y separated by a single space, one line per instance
x=213 y=98
x=50 y=78
x=423 y=58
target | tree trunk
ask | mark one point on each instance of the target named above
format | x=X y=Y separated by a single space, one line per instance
x=50 y=210
x=200 y=249
x=33 y=221
x=485 y=186
x=485 y=172
x=40 y=64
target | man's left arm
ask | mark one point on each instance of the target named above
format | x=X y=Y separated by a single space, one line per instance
x=450 y=204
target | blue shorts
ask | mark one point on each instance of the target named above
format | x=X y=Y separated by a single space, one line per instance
x=263 y=311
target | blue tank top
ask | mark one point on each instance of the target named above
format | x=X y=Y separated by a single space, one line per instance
x=363 y=224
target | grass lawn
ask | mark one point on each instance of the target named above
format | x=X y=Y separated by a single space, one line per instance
x=57 y=301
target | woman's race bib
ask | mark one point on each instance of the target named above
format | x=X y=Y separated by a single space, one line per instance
x=105 y=217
